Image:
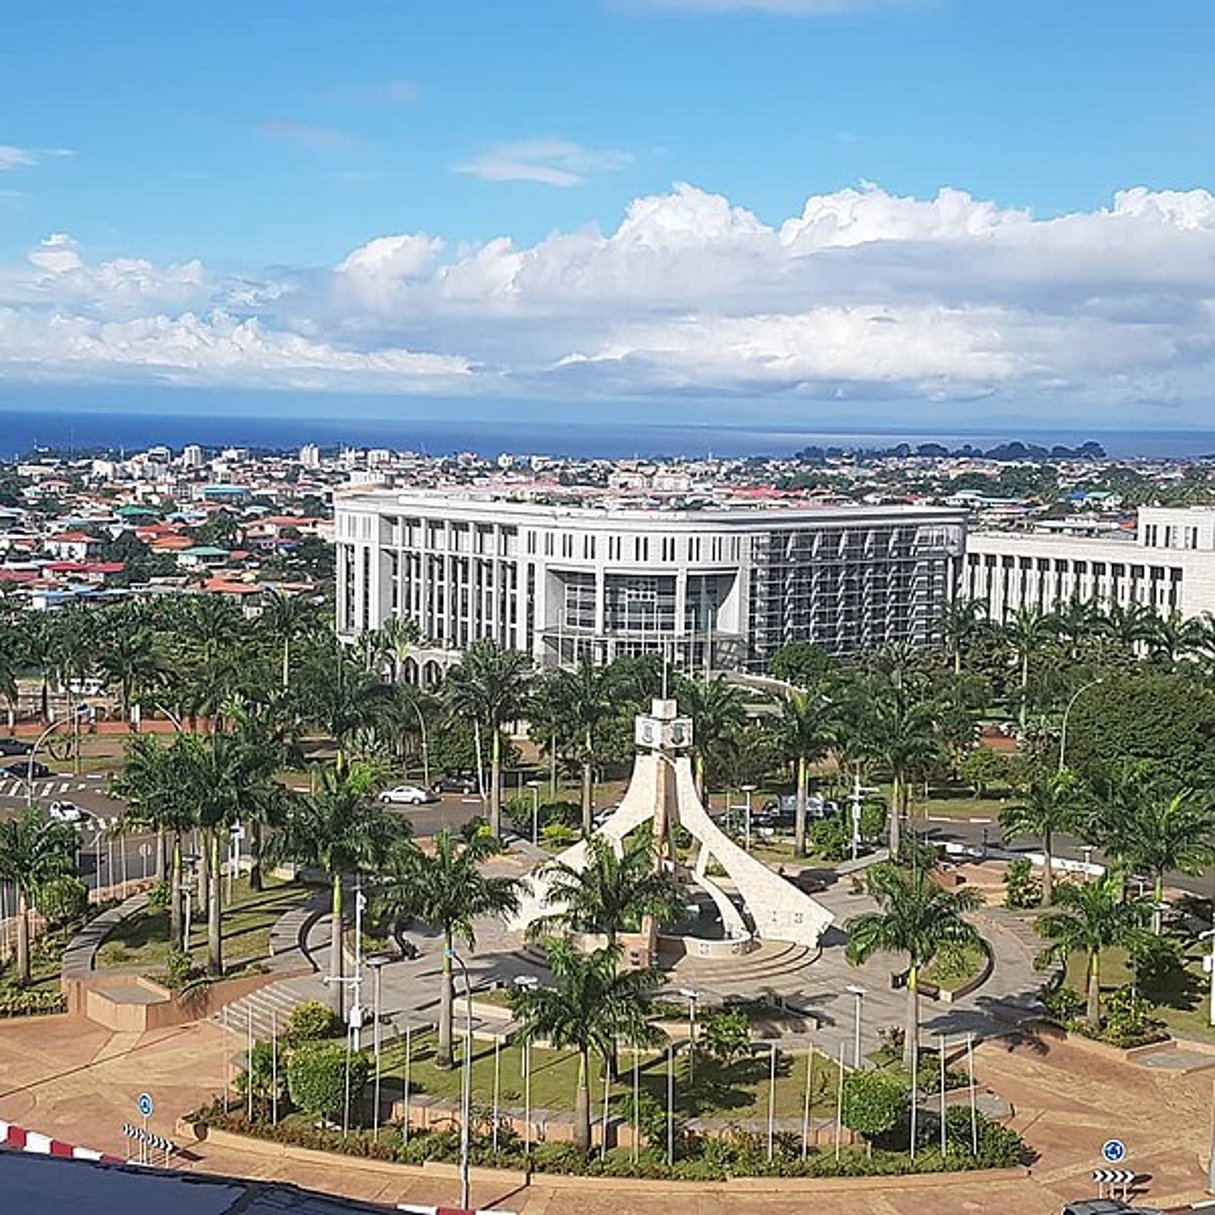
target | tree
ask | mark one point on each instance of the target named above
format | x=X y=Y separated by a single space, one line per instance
x=718 y=711
x=962 y=623
x=449 y=890
x=1149 y=825
x=287 y=618
x=915 y=917
x=490 y=686
x=612 y=892
x=33 y=850
x=725 y=1035
x=1027 y=634
x=581 y=699
x=590 y=1007
x=343 y=830
x=1090 y=917
x=805 y=728
x=127 y=657
x=874 y=1101
x=1054 y=803
x=801 y=663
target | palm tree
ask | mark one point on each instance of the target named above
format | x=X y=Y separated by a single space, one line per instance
x=399 y=635
x=805 y=729
x=127 y=657
x=718 y=710
x=591 y=1006
x=1026 y=634
x=611 y=893
x=900 y=733
x=490 y=686
x=582 y=699
x=915 y=917
x=155 y=781
x=10 y=665
x=338 y=695
x=287 y=618
x=33 y=850
x=1152 y=828
x=1174 y=636
x=449 y=890
x=343 y=830
x=1054 y=803
x=73 y=653
x=264 y=728
x=962 y=622
x=1129 y=625
x=1089 y=918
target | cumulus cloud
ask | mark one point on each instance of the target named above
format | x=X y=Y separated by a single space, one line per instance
x=15 y=158
x=551 y=162
x=860 y=294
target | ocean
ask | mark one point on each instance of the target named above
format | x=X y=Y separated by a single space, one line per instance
x=22 y=430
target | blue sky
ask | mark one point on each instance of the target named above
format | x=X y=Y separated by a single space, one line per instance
x=201 y=195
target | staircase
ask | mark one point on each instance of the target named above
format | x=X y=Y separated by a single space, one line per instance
x=270 y=1007
x=774 y=965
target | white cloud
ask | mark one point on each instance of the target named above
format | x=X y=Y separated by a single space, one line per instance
x=860 y=294
x=551 y=162
x=15 y=158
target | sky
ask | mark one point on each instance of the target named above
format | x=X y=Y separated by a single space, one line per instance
x=835 y=212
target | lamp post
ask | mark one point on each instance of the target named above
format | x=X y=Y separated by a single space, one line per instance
x=534 y=786
x=858 y=994
x=1067 y=713
x=691 y=995
x=377 y=962
x=465 y=1081
x=748 y=790
x=33 y=755
x=425 y=745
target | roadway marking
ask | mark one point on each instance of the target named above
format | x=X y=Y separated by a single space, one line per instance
x=65 y=786
x=978 y=820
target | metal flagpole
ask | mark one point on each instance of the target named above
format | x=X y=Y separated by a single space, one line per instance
x=527 y=1099
x=497 y=1081
x=636 y=1102
x=274 y=1067
x=227 y=1061
x=670 y=1101
x=405 y=1080
x=606 y=1095
x=974 y=1114
x=915 y=1091
x=771 y=1098
x=249 y=1064
x=941 y=1052
x=806 y=1103
x=839 y=1102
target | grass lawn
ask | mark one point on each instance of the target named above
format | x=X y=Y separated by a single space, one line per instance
x=740 y=1091
x=1178 y=992
x=142 y=940
x=952 y=967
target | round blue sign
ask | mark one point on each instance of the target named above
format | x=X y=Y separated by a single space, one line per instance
x=1113 y=1150
x=145 y=1104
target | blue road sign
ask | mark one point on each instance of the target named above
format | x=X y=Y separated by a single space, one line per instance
x=1113 y=1150
x=145 y=1105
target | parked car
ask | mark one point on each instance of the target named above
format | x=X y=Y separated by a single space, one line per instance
x=407 y=795
x=25 y=769
x=455 y=784
x=67 y=812
x=1107 y=1206
x=15 y=746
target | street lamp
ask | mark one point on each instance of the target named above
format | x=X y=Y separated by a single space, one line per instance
x=29 y=763
x=1067 y=713
x=859 y=994
x=376 y=961
x=534 y=786
x=425 y=745
x=691 y=995
x=466 y=1081
x=748 y=790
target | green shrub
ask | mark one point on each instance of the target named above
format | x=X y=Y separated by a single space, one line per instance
x=1063 y=1004
x=873 y=1101
x=265 y=1090
x=159 y=896
x=725 y=1034
x=63 y=899
x=31 y=1002
x=316 y=1078
x=180 y=970
x=558 y=835
x=310 y=1022
x=831 y=838
x=1021 y=888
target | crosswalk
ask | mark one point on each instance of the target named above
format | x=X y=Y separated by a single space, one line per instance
x=52 y=787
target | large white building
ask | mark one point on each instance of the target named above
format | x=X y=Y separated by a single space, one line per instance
x=722 y=587
x=1168 y=564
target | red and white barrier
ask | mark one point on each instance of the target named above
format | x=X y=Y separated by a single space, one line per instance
x=413 y=1208
x=21 y=1140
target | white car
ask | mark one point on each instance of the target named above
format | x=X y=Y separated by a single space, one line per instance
x=407 y=795
x=66 y=812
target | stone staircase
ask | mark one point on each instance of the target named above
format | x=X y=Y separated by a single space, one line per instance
x=775 y=965
x=269 y=1008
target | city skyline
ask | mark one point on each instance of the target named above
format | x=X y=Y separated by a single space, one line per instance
x=769 y=212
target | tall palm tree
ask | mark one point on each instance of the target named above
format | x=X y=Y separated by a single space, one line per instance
x=805 y=729
x=342 y=830
x=490 y=685
x=287 y=619
x=1129 y=625
x=1054 y=803
x=33 y=850
x=399 y=635
x=73 y=655
x=1153 y=827
x=127 y=657
x=915 y=917
x=1027 y=633
x=10 y=666
x=590 y=1007
x=582 y=698
x=962 y=623
x=1090 y=917
x=611 y=893
x=899 y=732
x=1173 y=637
x=449 y=889
x=718 y=709
x=155 y=780
x=337 y=694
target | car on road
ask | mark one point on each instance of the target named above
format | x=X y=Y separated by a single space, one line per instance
x=25 y=769
x=407 y=795
x=15 y=746
x=457 y=783
x=67 y=812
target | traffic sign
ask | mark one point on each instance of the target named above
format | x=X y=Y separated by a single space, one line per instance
x=1118 y=1177
x=1113 y=1150
x=145 y=1105
x=145 y=850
